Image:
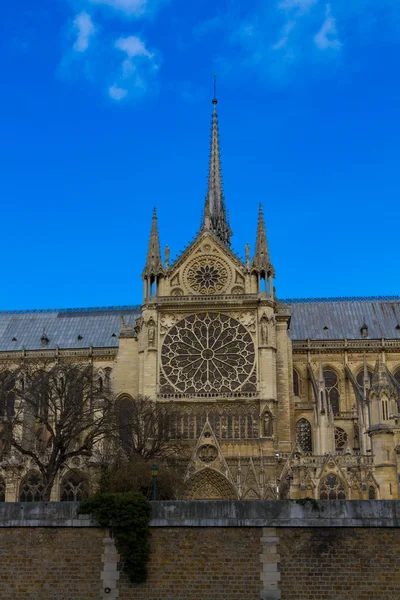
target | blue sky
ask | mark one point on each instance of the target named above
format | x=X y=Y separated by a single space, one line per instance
x=105 y=112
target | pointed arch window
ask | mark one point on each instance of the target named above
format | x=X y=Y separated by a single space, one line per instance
x=73 y=488
x=371 y=493
x=397 y=376
x=296 y=383
x=304 y=435
x=31 y=488
x=332 y=488
x=332 y=389
x=340 y=439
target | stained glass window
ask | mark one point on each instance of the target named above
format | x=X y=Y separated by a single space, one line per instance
x=296 y=383
x=340 y=439
x=31 y=488
x=304 y=435
x=73 y=488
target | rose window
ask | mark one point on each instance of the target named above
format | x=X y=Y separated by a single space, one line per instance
x=207 y=353
x=207 y=275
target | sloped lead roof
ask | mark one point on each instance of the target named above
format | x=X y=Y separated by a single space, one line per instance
x=317 y=319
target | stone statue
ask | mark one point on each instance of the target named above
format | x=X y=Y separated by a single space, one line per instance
x=264 y=331
x=267 y=424
x=151 y=333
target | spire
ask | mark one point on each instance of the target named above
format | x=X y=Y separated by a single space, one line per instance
x=215 y=217
x=261 y=261
x=154 y=266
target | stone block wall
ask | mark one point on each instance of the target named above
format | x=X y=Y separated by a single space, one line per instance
x=208 y=551
x=339 y=564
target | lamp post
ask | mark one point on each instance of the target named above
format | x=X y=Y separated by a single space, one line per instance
x=154 y=473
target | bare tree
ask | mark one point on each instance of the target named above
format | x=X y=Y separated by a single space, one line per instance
x=54 y=412
x=148 y=429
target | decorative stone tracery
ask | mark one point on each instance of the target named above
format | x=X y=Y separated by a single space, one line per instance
x=207 y=275
x=208 y=353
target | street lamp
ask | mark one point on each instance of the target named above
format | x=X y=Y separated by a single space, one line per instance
x=154 y=473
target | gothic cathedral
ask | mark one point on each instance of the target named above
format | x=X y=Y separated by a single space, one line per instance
x=279 y=398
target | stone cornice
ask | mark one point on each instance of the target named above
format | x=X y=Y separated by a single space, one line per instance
x=340 y=346
x=59 y=353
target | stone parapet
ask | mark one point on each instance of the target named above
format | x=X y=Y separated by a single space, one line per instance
x=222 y=513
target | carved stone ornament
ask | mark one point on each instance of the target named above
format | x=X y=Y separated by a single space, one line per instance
x=207 y=352
x=207 y=275
x=207 y=453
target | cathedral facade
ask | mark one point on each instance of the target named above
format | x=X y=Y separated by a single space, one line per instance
x=278 y=398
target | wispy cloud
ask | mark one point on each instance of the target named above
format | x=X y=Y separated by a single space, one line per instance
x=135 y=70
x=85 y=30
x=327 y=35
x=128 y=7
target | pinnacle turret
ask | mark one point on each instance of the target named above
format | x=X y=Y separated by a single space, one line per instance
x=215 y=217
x=154 y=266
x=261 y=260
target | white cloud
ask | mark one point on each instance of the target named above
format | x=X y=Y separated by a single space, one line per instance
x=133 y=46
x=284 y=39
x=302 y=6
x=327 y=35
x=128 y=7
x=117 y=93
x=85 y=30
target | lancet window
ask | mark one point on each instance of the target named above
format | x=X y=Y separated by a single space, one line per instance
x=227 y=422
x=304 y=435
x=31 y=488
x=332 y=488
x=332 y=389
x=296 y=383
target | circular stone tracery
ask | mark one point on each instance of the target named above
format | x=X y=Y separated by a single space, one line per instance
x=207 y=352
x=207 y=275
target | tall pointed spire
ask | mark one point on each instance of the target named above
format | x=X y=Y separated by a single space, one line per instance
x=261 y=261
x=154 y=265
x=215 y=217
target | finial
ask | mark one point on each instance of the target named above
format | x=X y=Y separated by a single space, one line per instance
x=215 y=101
x=167 y=255
x=154 y=212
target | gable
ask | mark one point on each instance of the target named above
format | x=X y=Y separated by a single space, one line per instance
x=207 y=268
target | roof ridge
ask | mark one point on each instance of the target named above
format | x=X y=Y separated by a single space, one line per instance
x=88 y=309
x=341 y=299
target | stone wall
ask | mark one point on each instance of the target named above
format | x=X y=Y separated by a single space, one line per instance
x=208 y=551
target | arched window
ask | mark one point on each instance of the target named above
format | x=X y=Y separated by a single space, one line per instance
x=31 y=488
x=73 y=488
x=340 y=439
x=125 y=410
x=2 y=490
x=304 y=435
x=101 y=384
x=296 y=383
x=332 y=488
x=397 y=376
x=371 y=493
x=332 y=389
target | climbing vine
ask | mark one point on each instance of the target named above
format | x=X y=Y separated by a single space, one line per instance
x=128 y=517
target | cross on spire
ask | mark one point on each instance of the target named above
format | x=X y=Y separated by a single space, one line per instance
x=215 y=217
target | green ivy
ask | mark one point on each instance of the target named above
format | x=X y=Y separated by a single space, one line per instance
x=128 y=516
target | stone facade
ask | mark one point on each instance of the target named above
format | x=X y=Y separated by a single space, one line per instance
x=278 y=399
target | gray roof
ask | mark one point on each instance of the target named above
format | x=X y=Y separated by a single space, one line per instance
x=340 y=318
x=100 y=327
